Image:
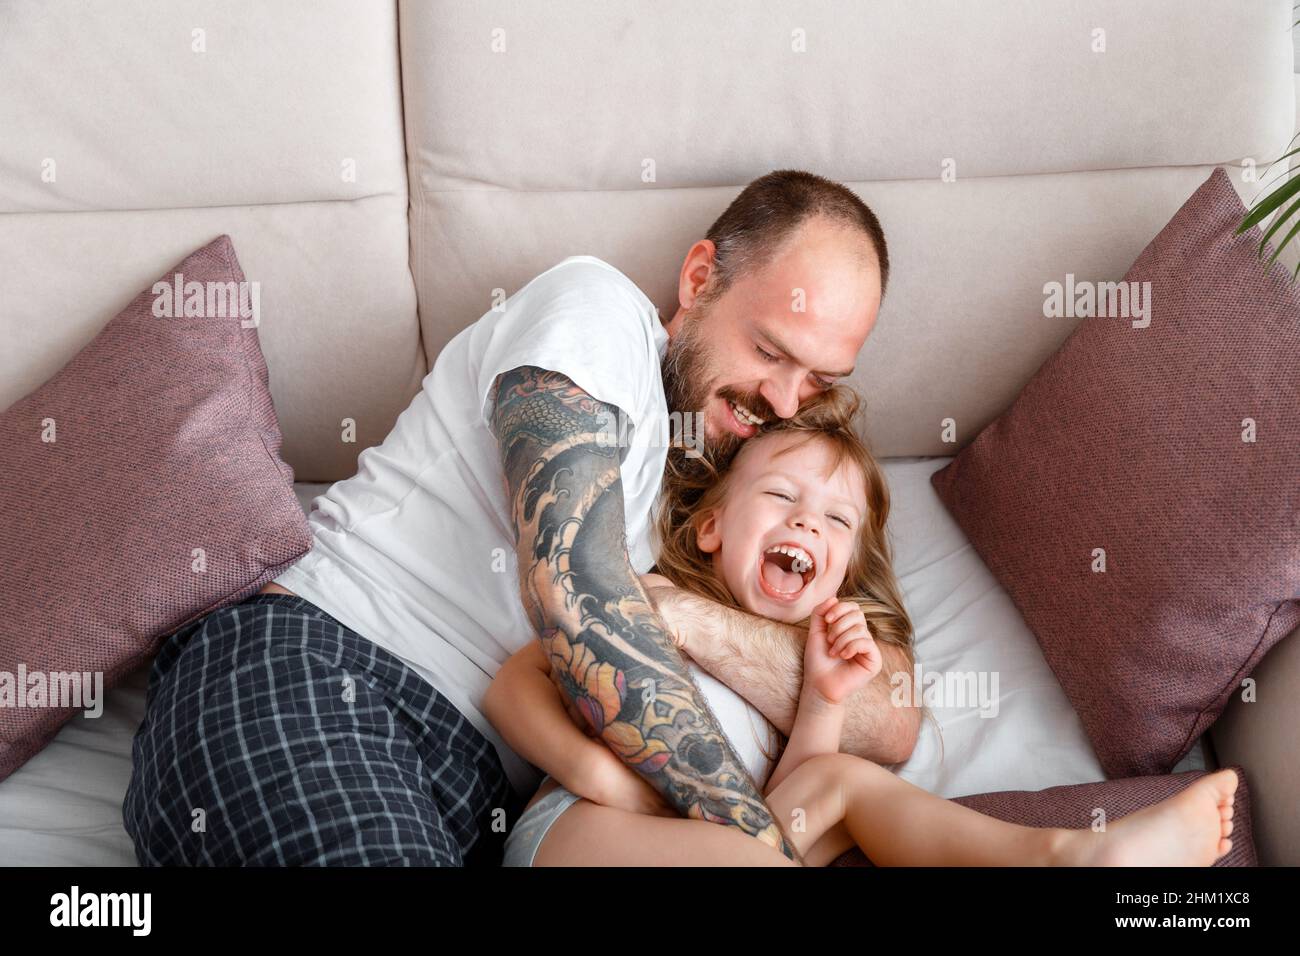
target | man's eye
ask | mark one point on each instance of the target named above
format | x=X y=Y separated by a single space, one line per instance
x=781 y=494
x=821 y=382
x=766 y=355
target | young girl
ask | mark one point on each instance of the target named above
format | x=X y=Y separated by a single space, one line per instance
x=795 y=531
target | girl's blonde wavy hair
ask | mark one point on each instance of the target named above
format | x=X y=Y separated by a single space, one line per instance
x=692 y=488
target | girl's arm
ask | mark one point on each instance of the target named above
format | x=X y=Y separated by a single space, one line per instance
x=818 y=726
x=840 y=658
x=528 y=712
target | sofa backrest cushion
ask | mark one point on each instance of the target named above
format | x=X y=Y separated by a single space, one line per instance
x=535 y=132
x=134 y=132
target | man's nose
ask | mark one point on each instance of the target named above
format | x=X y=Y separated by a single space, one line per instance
x=782 y=396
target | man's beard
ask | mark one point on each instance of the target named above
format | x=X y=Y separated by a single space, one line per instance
x=687 y=374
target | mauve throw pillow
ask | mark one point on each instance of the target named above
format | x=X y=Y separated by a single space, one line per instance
x=1140 y=499
x=1074 y=808
x=142 y=487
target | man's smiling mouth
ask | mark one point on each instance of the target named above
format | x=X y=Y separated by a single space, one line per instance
x=744 y=414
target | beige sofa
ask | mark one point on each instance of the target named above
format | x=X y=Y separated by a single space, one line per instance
x=384 y=167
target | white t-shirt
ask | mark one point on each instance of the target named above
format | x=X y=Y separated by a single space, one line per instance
x=416 y=551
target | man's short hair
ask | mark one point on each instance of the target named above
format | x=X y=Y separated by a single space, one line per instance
x=768 y=211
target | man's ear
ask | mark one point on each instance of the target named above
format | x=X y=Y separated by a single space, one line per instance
x=707 y=537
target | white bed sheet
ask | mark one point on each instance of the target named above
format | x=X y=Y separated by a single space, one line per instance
x=64 y=807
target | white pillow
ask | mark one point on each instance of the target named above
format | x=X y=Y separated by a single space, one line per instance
x=965 y=623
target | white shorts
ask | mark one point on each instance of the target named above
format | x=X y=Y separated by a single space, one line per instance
x=530 y=829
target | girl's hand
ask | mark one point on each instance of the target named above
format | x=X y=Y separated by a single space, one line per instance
x=612 y=783
x=840 y=656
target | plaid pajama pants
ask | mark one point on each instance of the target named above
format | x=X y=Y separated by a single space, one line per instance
x=273 y=735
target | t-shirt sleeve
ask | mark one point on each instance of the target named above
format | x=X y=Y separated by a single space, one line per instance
x=581 y=321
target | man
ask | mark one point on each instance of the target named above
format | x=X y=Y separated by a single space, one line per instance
x=335 y=717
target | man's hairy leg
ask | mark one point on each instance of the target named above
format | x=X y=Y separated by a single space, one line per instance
x=609 y=650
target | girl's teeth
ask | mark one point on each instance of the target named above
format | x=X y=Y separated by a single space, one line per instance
x=802 y=560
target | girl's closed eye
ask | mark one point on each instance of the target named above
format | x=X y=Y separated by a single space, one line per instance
x=833 y=517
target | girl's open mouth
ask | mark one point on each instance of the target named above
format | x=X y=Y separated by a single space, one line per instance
x=784 y=570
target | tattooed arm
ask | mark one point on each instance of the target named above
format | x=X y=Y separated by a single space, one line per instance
x=608 y=649
x=530 y=713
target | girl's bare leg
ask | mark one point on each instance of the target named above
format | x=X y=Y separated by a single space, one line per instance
x=811 y=804
x=835 y=801
x=588 y=834
x=851 y=801
x=844 y=800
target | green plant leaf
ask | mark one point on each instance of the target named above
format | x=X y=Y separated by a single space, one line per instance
x=1269 y=203
x=1278 y=222
x=1284 y=172
x=1283 y=244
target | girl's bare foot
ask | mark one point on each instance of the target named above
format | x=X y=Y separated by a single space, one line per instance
x=1189 y=829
